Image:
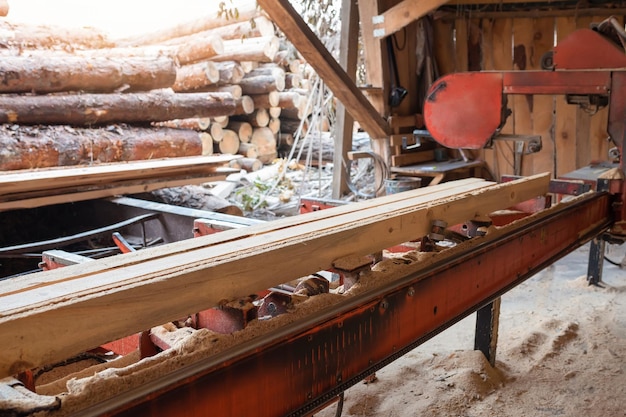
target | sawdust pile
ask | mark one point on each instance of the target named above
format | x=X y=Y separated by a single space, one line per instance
x=561 y=352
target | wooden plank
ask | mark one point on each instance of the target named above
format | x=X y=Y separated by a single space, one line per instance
x=565 y=128
x=376 y=65
x=316 y=54
x=444 y=46
x=71 y=195
x=344 y=123
x=403 y=14
x=48 y=323
x=461 y=48
x=14 y=182
x=500 y=43
x=523 y=38
x=543 y=105
x=583 y=118
x=412 y=158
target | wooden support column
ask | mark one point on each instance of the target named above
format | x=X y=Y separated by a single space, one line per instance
x=345 y=122
x=346 y=91
x=376 y=65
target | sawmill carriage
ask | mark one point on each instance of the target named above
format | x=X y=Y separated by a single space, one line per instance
x=239 y=328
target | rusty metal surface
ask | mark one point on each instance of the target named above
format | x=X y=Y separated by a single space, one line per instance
x=310 y=363
x=452 y=113
x=556 y=82
x=587 y=49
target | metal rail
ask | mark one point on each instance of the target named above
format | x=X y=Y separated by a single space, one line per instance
x=311 y=361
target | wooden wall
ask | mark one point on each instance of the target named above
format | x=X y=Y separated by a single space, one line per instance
x=571 y=137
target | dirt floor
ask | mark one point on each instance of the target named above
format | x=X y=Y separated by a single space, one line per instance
x=561 y=352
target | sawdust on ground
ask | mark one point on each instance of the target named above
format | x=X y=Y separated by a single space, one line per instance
x=561 y=352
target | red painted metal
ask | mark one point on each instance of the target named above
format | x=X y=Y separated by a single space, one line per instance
x=308 y=367
x=226 y=319
x=556 y=82
x=587 y=49
x=464 y=110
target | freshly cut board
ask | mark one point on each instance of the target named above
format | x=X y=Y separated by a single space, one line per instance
x=47 y=318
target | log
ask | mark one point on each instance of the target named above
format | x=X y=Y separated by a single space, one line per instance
x=229 y=143
x=50 y=316
x=270 y=99
x=22 y=36
x=254 y=49
x=230 y=72
x=222 y=120
x=194 y=123
x=259 y=118
x=248 y=66
x=274 y=125
x=249 y=164
x=259 y=26
x=217 y=132
x=292 y=80
x=284 y=139
x=267 y=69
x=98 y=109
x=23 y=74
x=244 y=105
x=291 y=126
x=262 y=84
x=28 y=147
x=207 y=143
x=275 y=112
x=195 y=197
x=248 y=150
x=199 y=48
x=4 y=8
x=290 y=100
x=246 y=10
x=265 y=142
x=195 y=76
x=233 y=90
x=243 y=130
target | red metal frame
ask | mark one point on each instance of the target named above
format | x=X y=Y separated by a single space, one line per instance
x=307 y=367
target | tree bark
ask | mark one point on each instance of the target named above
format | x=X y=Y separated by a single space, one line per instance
x=270 y=99
x=249 y=164
x=262 y=84
x=41 y=36
x=230 y=72
x=199 y=48
x=28 y=147
x=24 y=74
x=233 y=90
x=194 y=123
x=195 y=76
x=97 y=109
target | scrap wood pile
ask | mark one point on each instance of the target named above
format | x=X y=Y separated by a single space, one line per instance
x=222 y=83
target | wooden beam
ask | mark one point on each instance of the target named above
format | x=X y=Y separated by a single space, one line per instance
x=47 y=318
x=344 y=125
x=316 y=54
x=376 y=65
x=403 y=14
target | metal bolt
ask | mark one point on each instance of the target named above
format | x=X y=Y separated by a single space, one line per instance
x=411 y=292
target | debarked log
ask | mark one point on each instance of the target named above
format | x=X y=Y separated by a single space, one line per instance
x=95 y=109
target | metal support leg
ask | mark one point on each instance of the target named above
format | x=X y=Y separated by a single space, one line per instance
x=486 y=338
x=596 y=258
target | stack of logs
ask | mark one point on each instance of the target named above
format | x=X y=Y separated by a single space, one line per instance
x=223 y=83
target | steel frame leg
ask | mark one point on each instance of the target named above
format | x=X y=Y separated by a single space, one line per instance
x=596 y=259
x=486 y=337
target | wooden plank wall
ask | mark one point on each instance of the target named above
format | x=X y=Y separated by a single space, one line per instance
x=571 y=137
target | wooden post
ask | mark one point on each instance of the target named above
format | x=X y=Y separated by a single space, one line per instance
x=344 y=124
x=486 y=337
